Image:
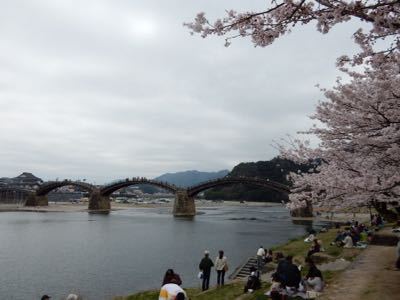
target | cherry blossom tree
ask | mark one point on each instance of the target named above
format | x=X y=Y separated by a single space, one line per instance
x=360 y=143
x=359 y=150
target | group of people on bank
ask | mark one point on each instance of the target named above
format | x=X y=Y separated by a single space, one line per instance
x=286 y=279
x=355 y=235
x=171 y=287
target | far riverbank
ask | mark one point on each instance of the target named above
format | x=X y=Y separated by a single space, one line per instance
x=81 y=207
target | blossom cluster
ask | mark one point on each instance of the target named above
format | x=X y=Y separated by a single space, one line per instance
x=266 y=26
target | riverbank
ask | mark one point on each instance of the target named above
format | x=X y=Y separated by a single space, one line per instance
x=338 y=217
x=82 y=207
x=332 y=262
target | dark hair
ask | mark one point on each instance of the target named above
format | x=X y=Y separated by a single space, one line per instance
x=221 y=253
x=289 y=258
x=275 y=277
x=180 y=296
x=168 y=277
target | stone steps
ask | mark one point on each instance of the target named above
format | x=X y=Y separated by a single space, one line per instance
x=244 y=270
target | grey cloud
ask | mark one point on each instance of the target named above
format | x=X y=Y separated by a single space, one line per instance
x=109 y=89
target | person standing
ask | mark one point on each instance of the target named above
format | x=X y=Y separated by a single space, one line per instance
x=205 y=266
x=260 y=258
x=221 y=266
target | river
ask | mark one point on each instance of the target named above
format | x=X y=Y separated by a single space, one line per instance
x=101 y=256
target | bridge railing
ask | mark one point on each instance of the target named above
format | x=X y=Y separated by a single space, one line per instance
x=143 y=180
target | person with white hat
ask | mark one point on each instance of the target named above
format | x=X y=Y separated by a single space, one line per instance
x=72 y=297
x=205 y=266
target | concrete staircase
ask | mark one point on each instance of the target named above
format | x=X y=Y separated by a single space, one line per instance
x=243 y=271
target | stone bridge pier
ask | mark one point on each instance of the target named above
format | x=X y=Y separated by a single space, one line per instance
x=35 y=200
x=184 y=204
x=99 y=202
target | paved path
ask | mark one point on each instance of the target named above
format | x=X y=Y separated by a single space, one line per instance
x=371 y=276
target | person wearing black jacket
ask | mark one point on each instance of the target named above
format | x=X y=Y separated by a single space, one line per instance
x=289 y=273
x=205 y=266
x=313 y=279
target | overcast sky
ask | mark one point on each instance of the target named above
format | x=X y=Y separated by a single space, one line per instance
x=109 y=89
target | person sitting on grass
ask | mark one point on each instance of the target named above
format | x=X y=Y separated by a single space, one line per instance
x=253 y=281
x=310 y=238
x=315 y=248
x=338 y=241
x=276 y=291
x=171 y=277
x=313 y=279
x=269 y=256
x=364 y=236
x=288 y=273
x=172 y=291
x=348 y=241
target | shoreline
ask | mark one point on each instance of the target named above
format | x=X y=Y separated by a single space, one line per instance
x=83 y=207
x=66 y=207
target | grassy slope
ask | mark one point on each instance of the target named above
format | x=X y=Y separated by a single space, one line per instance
x=228 y=292
x=295 y=247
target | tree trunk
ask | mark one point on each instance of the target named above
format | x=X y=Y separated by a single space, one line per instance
x=388 y=214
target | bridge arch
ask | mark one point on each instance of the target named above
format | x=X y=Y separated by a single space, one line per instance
x=266 y=183
x=184 y=205
x=49 y=186
x=107 y=190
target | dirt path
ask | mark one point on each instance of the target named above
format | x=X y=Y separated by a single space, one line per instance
x=371 y=276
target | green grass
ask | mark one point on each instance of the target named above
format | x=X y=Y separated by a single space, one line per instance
x=298 y=248
x=227 y=292
x=140 y=296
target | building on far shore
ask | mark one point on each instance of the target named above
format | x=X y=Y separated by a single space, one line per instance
x=26 y=181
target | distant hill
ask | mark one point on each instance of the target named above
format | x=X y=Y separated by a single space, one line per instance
x=276 y=169
x=189 y=178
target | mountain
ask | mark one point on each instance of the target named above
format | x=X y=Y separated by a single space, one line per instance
x=189 y=178
x=276 y=169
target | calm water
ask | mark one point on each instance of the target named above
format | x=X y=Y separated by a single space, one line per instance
x=100 y=256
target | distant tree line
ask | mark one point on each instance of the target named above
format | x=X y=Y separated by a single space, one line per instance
x=276 y=169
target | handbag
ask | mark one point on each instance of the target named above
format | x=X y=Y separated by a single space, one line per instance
x=200 y=275
x=226 y=268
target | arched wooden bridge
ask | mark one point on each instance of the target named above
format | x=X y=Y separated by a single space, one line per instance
x=184 y=205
